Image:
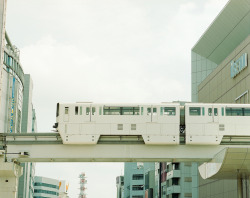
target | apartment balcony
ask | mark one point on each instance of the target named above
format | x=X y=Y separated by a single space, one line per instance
x=174 y=174
x=173 y=189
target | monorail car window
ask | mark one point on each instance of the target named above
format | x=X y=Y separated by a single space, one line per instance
x=203 y=111
x=194 y=111
x=209 y=111
x=121 y=110
x=237 y=111
x=161 y=111
x=80 y=110
x=130 y=110
x=215 y=111
x=141 y=110
x=100 y=110
x=222 y=111
x=87 y=110
x=246 y=112
x=170 y=111
x=93 y=110
x=76 y=110
x=66 y=110
x=154 y=111
x=148 y=111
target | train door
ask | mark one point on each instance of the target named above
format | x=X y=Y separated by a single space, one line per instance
x=93 y=113
x=215 y=114
x=209 y=115
x=154 y=114
x=88 y=113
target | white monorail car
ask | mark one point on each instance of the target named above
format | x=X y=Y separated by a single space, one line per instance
x=208 y=123
x=163 y=123
x=84 y=123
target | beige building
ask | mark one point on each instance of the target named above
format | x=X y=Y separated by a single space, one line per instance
x=221 y=74
x=223 y=87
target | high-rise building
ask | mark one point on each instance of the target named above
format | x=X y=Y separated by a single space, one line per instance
x=11 y=90
x=26 y=181
x=220 y=74
x=46 y=187
x=134 y=180
x=140 y=180
x=120 y=187
x=179 y=180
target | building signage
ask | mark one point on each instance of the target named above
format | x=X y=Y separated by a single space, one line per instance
x=12 y=106
x=238 y=65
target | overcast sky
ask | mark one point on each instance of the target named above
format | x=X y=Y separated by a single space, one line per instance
x=105 y=51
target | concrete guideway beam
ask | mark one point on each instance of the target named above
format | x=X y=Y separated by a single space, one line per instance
x=114 y=153
x=9 y=177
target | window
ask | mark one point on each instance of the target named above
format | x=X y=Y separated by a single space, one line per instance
x=129 y=110
x=161 y=111
x=100 y=110
x=141 y=110
x=46 y=192
x=194 y=111
x=215 y=112
x=121 y=110
x=66 y=111
x=148 y=111
x=171 y=111
x=222 y=111
x=175 y=181
x=93 y=110
x=137 y=177
x=87 y=110
x=154 y=111
x=137 y=187
x=210 y=111
x=237 y=111
x=76 y=110
x=80 y=110
x=46 y=185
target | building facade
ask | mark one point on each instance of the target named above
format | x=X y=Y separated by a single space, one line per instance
x=221 y=74
x=120 y=187
x=46 y=187
x=134 y=180
x=26 y=181
x=141 y=180
x=179 y=180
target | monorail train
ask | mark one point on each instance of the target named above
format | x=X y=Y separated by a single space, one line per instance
x=157 y=124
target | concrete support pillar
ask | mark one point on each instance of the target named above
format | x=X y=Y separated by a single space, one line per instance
x=239 y=186
x=9 y=177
